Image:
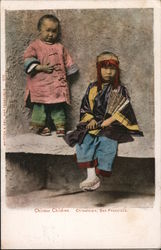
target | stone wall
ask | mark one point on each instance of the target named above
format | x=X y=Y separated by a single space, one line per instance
x=86 y=33
x=29 y=172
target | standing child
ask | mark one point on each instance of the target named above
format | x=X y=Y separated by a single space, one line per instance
x=47 y=64
x=106 y=119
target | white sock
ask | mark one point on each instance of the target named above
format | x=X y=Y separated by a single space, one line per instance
x=91 y=178
x=91 y=174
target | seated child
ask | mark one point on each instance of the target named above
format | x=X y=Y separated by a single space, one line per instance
x=106 y=119
x=47 y=64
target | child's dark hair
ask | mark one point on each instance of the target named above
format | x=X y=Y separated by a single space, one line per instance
x=52 y=18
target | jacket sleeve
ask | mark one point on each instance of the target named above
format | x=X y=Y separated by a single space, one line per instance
x=30 y=59
x=86 y=110
x=126 y=115
x=71 y=67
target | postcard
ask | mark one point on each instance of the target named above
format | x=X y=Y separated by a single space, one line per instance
x=81 y=118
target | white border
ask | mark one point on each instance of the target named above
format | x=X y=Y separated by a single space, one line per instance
x=86 y=4
x=136 y=228
x=3 y=59
x=157 y=95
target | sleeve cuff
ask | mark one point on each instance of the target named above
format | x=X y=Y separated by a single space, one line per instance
x=124 y=121
x=72 y=70
x=28 y=62
x=87 y=117
x=31 y=67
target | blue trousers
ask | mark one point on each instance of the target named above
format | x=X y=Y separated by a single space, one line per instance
x=96 y=151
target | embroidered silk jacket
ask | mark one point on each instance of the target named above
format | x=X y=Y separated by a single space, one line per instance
x=43 y=87
x=94 y=106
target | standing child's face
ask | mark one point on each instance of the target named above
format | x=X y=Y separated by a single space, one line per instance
x=49 y=31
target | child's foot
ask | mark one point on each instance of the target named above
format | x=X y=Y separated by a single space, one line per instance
x=60 y=132
x=44 y=132
x=32 y=129
x=89 y=184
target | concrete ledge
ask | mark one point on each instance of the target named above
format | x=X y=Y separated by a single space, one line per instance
x=36 y=144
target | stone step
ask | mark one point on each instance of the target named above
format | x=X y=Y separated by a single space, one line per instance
x=36 y=144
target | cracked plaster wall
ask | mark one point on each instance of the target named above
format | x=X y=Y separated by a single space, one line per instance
x=86 y=33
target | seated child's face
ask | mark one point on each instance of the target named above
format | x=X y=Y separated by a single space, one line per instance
x=107 y=72
x=49 y=31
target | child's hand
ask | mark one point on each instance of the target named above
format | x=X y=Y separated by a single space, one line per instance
x=92 y=124
x=107 y=122
x=46 y=68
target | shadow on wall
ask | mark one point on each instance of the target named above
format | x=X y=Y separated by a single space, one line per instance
x=28 y=172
